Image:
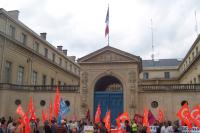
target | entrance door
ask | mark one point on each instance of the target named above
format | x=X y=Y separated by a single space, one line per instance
x=109 y=100
x=108 y=93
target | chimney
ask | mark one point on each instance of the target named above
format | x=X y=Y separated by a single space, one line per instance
x=14 y=14
x=65 y=52
x=43 y=35
x=59 y=48
x=72 y=58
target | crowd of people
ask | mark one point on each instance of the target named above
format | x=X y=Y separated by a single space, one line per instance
x=15 y=126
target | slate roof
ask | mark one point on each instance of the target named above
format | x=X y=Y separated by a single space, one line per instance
x=161 y=63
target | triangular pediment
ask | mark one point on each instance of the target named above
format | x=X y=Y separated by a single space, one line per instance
x=108 y=55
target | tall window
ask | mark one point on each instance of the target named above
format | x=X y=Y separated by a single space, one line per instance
x=34 y=78
x=70 y=67
x=66 y=65
x=53 y=57
x=36 y=46
x=46 y=52
x=167 y=75
x=199 y=79
x=12 y=31
x=189 y=60
x=52 y=81
x=192 y=55
x=60 y=61
x=59 y=83
x=8 y=71
x=44 y=79
x=23 y=38
x=197 y=50
x=20 y=75
x=195 y=80
x=145 y=75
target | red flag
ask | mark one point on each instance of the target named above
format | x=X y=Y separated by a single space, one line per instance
x=106 y=120
x=184 y=115
x=145 y=120
x=107 y=23
x=44 y=116
x=31 y=109
x=98 y=115
x=27 y=124
x=57 y=102
x=138 y=119
x=50 y=111
x=151 y=118
x=30 y=106
x=160 y=116
x=88 y=115
x=20 y=111
x=195 y=116
x=122 y=117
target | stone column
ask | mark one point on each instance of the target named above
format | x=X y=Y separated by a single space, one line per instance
x=133 y=93
x=84 y=93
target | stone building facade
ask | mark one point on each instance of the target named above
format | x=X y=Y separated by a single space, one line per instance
x=31 y=66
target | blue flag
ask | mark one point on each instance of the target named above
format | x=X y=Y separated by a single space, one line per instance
x=64 y=109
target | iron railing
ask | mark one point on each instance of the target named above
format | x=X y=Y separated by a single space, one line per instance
x=67 y=88
x=170 y=87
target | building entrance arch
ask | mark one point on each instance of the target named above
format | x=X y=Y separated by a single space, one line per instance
x=108 y=92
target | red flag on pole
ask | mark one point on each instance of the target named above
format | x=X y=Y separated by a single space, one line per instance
x=31 y=109
x=145 y=120
x=98 y=114
x=107 y=23
x=151 y=118
x=57 y=102
x=20 y=111
x=88 y=115
x=27 y=123
x=50 y=111
x=195 y=116
x=122 y=117
x=44 y=116
x=184 y=115
x=30 y=105
x=160 y=116
x=106 y=120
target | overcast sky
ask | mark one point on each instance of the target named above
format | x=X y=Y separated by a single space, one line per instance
x=79 y=25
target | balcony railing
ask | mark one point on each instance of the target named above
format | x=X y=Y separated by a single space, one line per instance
x=172 y=87
x=63 y=88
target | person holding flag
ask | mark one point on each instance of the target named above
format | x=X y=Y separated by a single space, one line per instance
x=64 y=109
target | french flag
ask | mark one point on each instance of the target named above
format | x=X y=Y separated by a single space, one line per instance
x=107 y=23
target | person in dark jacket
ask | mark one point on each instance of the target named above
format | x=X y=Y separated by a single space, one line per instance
x=47 y=127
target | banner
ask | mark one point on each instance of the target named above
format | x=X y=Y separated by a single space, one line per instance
x=192 y=130
x=153 y=129
x=183 y=128
x=138 y=119
x=88 y=129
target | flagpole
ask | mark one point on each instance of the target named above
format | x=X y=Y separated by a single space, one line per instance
x=108 y=26
x=108 y=39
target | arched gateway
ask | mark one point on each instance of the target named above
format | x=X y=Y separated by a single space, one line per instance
x=109 y=77
x=108 y=92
